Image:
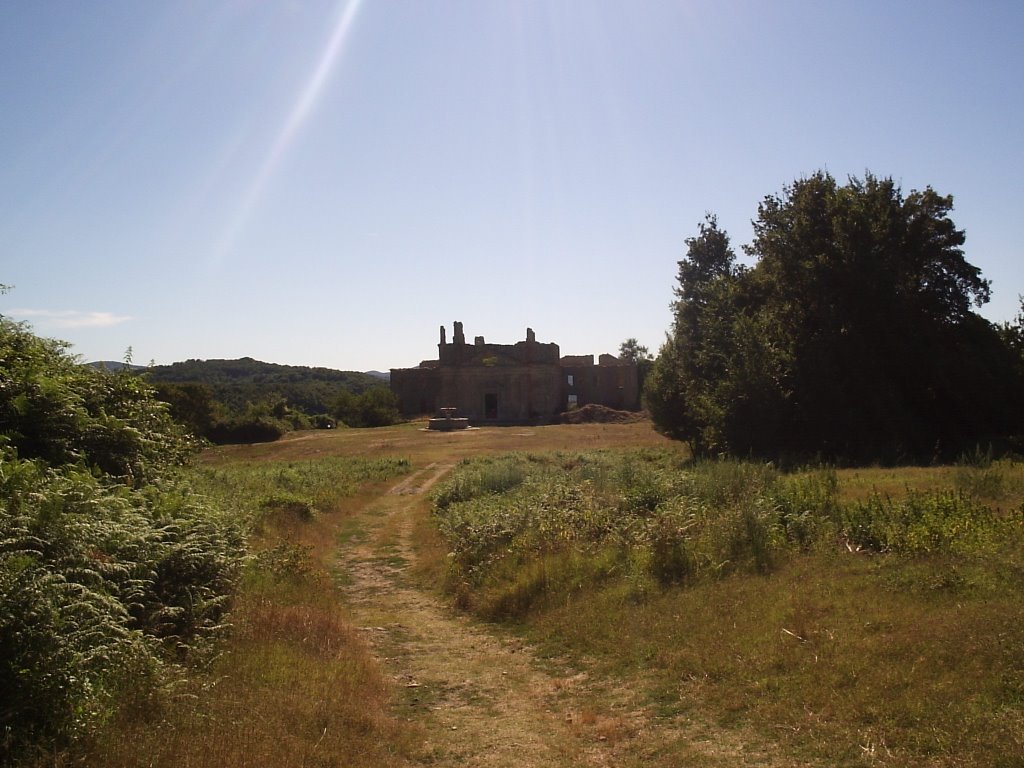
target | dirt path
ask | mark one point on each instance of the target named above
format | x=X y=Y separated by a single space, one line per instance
x=485 y=699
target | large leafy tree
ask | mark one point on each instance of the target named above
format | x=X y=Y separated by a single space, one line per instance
x=717 y=380
x=375 y=407
x=689 y=365
x=852 y=337
x=632 y=351
x=1013 y=332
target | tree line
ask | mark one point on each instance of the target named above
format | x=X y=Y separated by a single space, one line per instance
x=853 y=337
x=246 y=400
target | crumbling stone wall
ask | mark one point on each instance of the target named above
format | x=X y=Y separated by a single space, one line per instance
x=612 y=382
x=525 y=382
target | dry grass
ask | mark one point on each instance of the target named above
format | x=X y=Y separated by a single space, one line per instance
x=296 y=687
x=822 y=658
x=295 y=684
x=862 y=482
x=413 y=441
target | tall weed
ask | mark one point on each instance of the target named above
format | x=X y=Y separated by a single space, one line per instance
x=726 y=481
x=807 y=504
x=482 y=477
x=672 y=558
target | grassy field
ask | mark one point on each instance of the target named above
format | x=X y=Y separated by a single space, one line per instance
x=863 y=615
x=850 y=617
x=295 y=683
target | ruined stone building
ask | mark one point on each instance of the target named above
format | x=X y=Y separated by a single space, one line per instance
x=525 y=382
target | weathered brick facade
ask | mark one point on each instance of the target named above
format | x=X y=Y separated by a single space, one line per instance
x=522 y=383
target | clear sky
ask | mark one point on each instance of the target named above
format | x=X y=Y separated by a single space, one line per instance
x=326 y=182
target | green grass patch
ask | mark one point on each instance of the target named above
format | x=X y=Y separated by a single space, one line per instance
x=280 y=491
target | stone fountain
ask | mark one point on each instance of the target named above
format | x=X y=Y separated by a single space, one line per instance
x=447 y=421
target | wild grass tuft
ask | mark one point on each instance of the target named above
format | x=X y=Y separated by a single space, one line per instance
x=481 y=478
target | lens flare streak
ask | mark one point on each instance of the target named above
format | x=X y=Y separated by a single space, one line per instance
x=298 y=115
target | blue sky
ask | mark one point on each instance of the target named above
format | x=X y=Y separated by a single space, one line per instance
x=327 y=182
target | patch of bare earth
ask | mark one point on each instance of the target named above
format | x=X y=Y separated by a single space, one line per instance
x=482 y=697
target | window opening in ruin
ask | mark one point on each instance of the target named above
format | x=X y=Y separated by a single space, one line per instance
x=570 y=380
x=573 y=401
x=490 y=406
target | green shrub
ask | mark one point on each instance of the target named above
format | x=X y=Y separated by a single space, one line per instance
x=110 y=565
x=644 y=487
x=94 y=581
x=323 y=421
x=67 y=652
x=921 y=523
x=705 y=520
x=261 y=429
x=506 y=517
x=754 y=541
x=55 y=410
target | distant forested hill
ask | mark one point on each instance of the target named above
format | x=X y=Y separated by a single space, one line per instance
x=236 y=384
x=114 y=365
